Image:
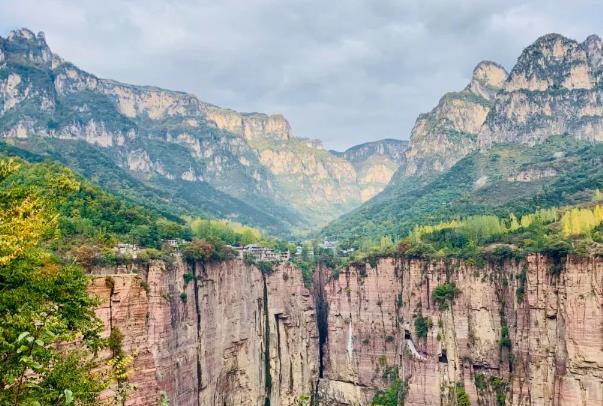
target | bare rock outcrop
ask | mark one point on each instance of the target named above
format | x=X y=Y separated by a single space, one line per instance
x=554 y=89
x=446 y=134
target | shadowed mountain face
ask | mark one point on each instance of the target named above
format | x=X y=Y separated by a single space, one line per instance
x=507 y=142
x=175 y=149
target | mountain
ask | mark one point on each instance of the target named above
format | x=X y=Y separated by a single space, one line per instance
x=375 y=163
x=183 y=153
x=448 y=132
x=506 y=143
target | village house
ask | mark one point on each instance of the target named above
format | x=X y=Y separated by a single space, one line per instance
x=124 y=249
x=174 y=243
x=262 y=253
x=328 y=245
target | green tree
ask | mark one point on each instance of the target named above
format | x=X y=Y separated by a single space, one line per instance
x=444 y=294
x=43 y=303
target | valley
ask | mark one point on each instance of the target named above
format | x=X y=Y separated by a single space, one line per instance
x=156 y=249
x=248 y=167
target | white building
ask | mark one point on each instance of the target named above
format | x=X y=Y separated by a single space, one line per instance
x=127 y=249
x=262 y=253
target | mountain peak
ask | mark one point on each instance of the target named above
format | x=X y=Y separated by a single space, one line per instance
x=555 y=61
x=25 y=34
x=552 y=39
x=593 y=45
x=489 y=72
x=25 y=47
x=593 y=39
x=548 y=49
x=487 y=79
x=24 y=38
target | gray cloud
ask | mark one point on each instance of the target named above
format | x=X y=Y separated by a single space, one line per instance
x=342 y=71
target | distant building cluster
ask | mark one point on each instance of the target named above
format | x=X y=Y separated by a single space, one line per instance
x=256 y=251
x=132 y=250
x=262 y=253
x=332 y=245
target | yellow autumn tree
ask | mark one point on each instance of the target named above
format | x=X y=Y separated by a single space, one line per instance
x=579 y=221
x=514 y=223
x=21 y=227
x=598 y=213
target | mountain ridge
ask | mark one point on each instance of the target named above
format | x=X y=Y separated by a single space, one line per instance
x=161 y=136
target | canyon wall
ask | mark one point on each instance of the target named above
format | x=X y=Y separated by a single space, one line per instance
x=228 y=336
x=526 y=333
x=517 y=334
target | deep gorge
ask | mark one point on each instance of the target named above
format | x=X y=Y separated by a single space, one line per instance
x=516 y=333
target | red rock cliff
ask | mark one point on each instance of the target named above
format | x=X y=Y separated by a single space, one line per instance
x=520 y=334
x=553 y=355
x=209 y=341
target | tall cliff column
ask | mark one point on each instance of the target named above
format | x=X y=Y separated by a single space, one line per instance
x=258 y=336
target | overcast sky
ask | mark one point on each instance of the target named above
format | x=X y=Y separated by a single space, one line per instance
x=345 y=72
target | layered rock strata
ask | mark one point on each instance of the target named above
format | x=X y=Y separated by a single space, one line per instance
x=525 y=333
x=229 y=336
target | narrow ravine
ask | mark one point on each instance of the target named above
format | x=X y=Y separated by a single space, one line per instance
x=322 y=324
x=267 y=374
x=198 y=323
x=322 y=314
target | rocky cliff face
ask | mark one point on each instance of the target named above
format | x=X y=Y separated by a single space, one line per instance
x=449 y=132
x=165 y=137
x=539 y=345
x=230 y=336
x=553 y=89
x=517 y=333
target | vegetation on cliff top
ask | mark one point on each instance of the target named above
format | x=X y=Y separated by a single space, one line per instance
x=562 y=171
x=83 y=210
x=555 y=232
x=164 y=195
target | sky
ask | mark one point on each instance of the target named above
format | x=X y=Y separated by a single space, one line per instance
x=344 y=72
